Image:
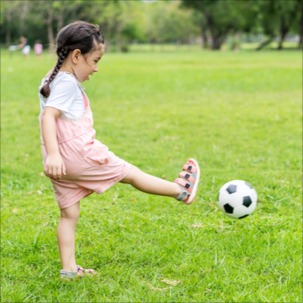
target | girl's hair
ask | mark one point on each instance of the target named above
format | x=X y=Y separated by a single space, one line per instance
x=77 y=35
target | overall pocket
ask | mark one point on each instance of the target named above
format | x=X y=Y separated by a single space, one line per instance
x=97 y=154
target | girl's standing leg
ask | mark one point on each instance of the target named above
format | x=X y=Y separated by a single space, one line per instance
x=66 y=236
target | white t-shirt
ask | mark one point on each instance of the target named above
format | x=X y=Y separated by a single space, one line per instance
x=66 y=95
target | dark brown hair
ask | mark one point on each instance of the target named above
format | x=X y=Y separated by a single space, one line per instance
x=77 y=35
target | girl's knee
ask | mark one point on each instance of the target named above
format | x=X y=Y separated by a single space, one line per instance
x=72 y=212
x=133 y=174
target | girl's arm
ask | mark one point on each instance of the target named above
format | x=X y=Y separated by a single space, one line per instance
x=54 y=166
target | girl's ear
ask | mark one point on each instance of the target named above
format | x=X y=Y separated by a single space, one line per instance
x=75 y=55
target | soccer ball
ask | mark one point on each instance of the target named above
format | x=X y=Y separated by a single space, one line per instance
x=237 y=199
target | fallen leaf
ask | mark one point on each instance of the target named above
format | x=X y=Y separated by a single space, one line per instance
x=171 y=282
x=158 y=288
x=197 y=225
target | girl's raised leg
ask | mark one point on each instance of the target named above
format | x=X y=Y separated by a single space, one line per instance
x=151 y=184
x=184 y=188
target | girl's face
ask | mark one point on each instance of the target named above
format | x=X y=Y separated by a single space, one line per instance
x=87 y=64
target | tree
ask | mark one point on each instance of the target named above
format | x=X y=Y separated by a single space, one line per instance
x=119 y=21
x=219 y=17
x=56 y=14
x=166 y=22
x=278 y=18
x=7 y=13
x=13 y=19
x=301 y=26
x=118 y=18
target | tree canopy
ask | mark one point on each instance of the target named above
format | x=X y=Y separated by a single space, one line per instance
x=152 y=21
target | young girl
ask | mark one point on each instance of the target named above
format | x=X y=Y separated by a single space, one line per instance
x=24 y=46
x=77 y=163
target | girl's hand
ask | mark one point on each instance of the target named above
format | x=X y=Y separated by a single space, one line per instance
x=54 y=166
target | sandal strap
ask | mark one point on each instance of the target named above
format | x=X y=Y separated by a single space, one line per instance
x=83 y=271
x=188 y=186
x=189 y=168
x=80 y=272
x=183 y=195
x=185 y=192
x=188 y=181
x=68 y=274
x=188 y=176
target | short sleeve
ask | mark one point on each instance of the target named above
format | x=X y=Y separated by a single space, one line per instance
x=63 y=93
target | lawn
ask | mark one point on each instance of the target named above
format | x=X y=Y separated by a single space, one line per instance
x=238 y=113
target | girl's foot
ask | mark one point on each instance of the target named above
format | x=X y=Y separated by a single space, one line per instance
x=188 y=181
x=78 y=273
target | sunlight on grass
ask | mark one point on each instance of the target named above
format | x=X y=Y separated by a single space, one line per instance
x=239 y=114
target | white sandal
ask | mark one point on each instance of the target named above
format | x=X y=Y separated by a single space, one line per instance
x=188 y=181
x=79 y=273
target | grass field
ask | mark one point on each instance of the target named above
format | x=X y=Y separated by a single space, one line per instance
x=238 y=113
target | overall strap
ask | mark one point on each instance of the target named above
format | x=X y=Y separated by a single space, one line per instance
x=85 y=100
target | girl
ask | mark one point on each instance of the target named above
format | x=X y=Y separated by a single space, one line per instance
x=24 y=46
x=38 y=48
x=77 y=163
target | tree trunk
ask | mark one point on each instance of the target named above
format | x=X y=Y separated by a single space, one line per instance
x=50 y=31
x=217 y=42
x=282 y=38
x=217 y=37
x=60 y=19
x=118 y=37
x=8 y=28
x=283 y=32
x=264 y=43
x=301 y=33
x=204 y=38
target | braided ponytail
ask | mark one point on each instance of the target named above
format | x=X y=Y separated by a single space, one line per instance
x=45 y=90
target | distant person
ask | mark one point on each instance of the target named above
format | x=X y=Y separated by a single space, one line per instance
x=38 y=48
x=24 y=46
x=74 y=160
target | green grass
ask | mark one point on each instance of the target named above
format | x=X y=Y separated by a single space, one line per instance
x=239 y=114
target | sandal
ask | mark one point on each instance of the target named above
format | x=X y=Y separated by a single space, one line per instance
x=188 y=180
x=79 y=273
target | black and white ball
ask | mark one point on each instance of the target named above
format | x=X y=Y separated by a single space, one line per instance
x=237 y=199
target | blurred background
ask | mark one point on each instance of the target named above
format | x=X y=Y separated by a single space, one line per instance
x=150 y=24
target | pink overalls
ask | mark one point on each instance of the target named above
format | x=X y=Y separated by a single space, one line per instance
x=90 y=166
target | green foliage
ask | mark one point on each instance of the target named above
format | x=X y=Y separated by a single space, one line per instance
x=238 y=113
x=221 y=18
x=274 y=18
x=125 y=22
x=166 y=22
x=276 y=12
x=121 y=21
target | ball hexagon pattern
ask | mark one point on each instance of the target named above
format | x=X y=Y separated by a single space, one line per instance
x=237 y=199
